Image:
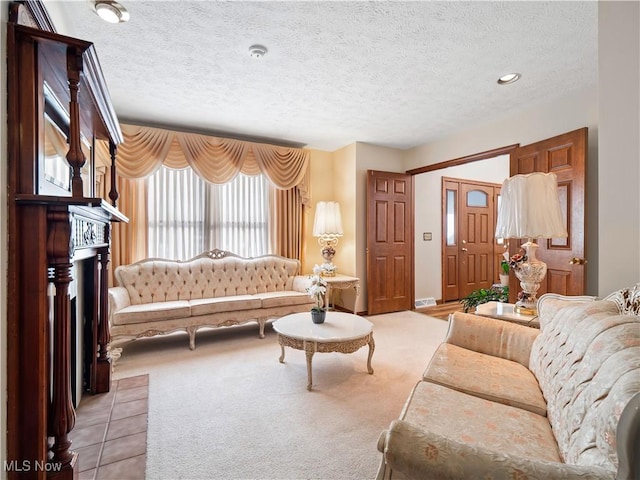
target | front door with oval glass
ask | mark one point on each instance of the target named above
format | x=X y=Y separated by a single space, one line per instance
x=470 y=251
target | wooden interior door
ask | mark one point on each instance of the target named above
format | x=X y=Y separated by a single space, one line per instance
x=564 y=155
x=390 y=279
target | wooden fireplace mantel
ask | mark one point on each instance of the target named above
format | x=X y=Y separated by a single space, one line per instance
x=94 y=207
x=58 y=100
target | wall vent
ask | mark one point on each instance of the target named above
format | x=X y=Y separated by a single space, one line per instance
x=425 y=302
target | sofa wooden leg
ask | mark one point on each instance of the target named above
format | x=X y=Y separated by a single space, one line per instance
x=262 y=322
x=114 y=355
x=192 y=337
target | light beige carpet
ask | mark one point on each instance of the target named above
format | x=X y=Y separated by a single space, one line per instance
x=230 y=410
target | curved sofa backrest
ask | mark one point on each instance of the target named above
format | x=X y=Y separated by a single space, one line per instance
x=205 y=276
x=587 y=362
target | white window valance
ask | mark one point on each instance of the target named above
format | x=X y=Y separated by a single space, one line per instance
x=215 y=159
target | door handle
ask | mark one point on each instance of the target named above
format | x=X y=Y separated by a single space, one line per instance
x=463 y=249
x=577 y=261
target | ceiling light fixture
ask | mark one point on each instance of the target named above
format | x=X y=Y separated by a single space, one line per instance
x=111 y=11
x=257 y=51
x=509 y=78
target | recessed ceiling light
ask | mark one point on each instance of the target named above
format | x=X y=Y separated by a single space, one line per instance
x=111 y=11
x=509 y=78
x=257 y=51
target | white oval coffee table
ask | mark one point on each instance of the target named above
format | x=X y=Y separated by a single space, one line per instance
x=341 y=332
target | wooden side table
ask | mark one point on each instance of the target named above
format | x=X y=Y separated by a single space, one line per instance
x=505 y=311
x=342 y=282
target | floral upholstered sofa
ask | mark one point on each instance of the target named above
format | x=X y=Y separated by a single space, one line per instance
x=506 y=401
x=214 y=289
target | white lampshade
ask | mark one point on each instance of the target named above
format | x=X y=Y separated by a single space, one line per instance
x=327 y=221
x=530 y=208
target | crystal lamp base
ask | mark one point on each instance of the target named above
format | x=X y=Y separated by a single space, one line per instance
x=531 y=272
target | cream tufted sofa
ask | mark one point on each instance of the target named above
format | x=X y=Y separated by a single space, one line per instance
x=505 y=401
x=156 y=296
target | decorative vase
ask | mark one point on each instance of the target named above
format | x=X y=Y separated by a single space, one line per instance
x=530 y=272
x=318 y=316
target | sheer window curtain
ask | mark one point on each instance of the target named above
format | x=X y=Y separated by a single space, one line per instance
x=237 y=216
x=187 y=215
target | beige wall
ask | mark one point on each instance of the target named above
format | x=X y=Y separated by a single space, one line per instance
x=333 y=178
x=321 y=186
x=344 y=178
x=619 y=150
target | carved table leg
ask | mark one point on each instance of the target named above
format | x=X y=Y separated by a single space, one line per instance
x=281 y=354
x=309 y=349
x=372 y=347
x=356 y=287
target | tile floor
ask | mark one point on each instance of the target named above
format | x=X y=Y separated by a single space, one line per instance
x=110 y=434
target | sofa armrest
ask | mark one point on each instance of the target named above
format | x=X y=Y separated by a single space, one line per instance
x=492 y=337
x=420 y=454
x=118 y=299
x=301 y=283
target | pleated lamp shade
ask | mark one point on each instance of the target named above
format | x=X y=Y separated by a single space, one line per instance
x=327 y=221
x=530 y=207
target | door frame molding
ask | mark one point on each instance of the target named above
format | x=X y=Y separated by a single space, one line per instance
x=495 y=152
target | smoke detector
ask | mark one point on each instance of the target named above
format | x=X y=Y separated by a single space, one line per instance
x=257 y=51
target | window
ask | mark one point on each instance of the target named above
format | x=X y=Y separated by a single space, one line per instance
x=188 y=216
x=451 y=217
x=477 y=198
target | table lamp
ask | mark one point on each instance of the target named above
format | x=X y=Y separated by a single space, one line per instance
x=530 y=209
x=327 y=226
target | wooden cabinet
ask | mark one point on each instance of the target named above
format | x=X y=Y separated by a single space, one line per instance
x=59 y=238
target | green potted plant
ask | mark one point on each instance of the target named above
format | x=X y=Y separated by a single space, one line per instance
x=484 y=295
x=504 y=273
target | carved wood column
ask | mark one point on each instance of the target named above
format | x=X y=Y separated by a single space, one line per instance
x=113 y=193
x=62 y=416
x=103 y=366
x=92 y=308
x=75 y=156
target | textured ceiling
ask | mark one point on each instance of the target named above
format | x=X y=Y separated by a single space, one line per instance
x=391 y=73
